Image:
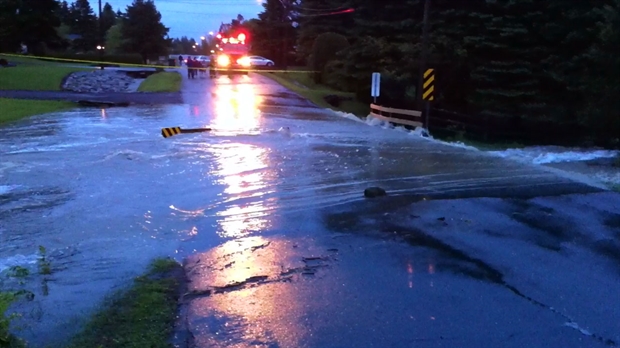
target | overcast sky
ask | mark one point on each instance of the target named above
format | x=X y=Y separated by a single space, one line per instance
x=193 y=18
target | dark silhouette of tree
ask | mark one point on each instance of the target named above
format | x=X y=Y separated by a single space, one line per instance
x=143 y=31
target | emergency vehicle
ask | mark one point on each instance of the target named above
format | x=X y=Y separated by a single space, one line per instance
x=232 y=50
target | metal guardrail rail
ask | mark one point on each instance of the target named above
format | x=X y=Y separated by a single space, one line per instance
x=399 y=116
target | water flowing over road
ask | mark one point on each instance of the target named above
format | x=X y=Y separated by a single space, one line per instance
x=275 y=190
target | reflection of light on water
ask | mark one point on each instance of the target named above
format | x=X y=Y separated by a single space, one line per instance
x=244 y=169
x=410 y=274
x=236 y=109
x=266 y=313
x=104 y=113
x=188 y=213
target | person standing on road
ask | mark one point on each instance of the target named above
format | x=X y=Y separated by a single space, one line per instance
x=180 y=60
x=212 y=73
x=189 y=65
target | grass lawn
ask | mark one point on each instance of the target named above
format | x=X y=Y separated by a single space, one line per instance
x=14 y=109
x=142 y=316
x=161 y=82
x=34 y=77
x=303 y=84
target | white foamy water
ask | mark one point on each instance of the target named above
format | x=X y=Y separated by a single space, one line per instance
x=553 y=154
x=4 y=189
x=17 y=260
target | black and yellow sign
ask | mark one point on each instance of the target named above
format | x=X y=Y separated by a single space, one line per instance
x=429 y=85
x=168 y=132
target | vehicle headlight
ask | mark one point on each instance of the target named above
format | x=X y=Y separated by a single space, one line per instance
x=223 y=60
x=244 y=61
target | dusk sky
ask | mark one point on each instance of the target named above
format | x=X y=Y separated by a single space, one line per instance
x=194 y=18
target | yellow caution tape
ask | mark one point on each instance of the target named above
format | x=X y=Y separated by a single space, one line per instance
x=145 y=65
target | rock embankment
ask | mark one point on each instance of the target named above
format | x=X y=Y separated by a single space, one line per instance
x=99 y=81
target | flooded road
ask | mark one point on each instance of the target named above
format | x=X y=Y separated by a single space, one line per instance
x=276 y=184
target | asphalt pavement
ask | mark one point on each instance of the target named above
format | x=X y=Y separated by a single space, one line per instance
x=267 y=214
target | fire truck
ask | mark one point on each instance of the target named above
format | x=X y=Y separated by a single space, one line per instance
x=232 y=50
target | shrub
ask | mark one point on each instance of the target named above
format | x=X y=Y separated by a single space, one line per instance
x=325 y=49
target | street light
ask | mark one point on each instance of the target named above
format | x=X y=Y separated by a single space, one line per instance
x=211 y=33
x=203 y=38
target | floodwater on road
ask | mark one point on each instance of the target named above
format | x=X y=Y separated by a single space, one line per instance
x=105 y=193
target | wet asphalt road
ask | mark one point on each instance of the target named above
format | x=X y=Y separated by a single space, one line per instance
x=468 y=250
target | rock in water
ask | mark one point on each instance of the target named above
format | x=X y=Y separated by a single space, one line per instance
x=372 y=192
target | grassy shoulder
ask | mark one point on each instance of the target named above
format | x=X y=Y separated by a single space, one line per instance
x=161 y=82
x=33 y=74
x=14 y=109
x=302 y=84
x=141 y=316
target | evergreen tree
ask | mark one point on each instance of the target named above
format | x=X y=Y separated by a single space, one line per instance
x=601 y=82
x=9 y=29
x=83 y=22
x=64 y=13
x=35 y=25
x=143 y=31
x=385 y=37
x=108 y=18
x=507 y=72
x=317 y=17
x=273 y=34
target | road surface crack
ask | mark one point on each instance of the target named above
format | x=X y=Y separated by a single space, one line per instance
x=418 y=237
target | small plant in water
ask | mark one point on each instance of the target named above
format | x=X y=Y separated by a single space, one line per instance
x=7 y=340
x=44 y=265
x=18 y=272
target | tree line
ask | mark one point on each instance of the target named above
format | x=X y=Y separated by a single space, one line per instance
x=535 y=69
x=49 y=27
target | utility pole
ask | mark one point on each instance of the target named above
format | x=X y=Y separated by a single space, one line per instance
x=100 y=44
x=424 y=60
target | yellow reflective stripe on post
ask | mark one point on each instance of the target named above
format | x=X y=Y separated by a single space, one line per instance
x=429 y=85
x=168 y=132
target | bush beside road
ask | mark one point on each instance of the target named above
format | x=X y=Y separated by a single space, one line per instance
x=161 y=82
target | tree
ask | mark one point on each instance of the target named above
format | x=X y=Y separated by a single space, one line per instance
x=601 y=82
x=183 y=45
x=9 y=34
x=108 y=18
x=143 y=31
x=385 y=38
x=317 y=17
x=83 y=22
x=114 y=39
x=32 y=23
x=64 y=14
x=325 y=49
x=273 y=34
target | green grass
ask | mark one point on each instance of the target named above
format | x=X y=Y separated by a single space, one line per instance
x=161 y=82
x=7 y=340
x=14 y=109
x=303 y=84
x=34 y=77
x=142 y=316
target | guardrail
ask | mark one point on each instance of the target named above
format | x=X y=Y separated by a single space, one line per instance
x=399 y=116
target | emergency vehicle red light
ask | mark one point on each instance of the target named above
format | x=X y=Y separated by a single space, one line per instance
x=241 y=37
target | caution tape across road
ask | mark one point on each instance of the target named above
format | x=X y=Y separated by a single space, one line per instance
x=68 y=60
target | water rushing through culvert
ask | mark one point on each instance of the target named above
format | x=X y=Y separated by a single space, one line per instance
x=104 y=193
